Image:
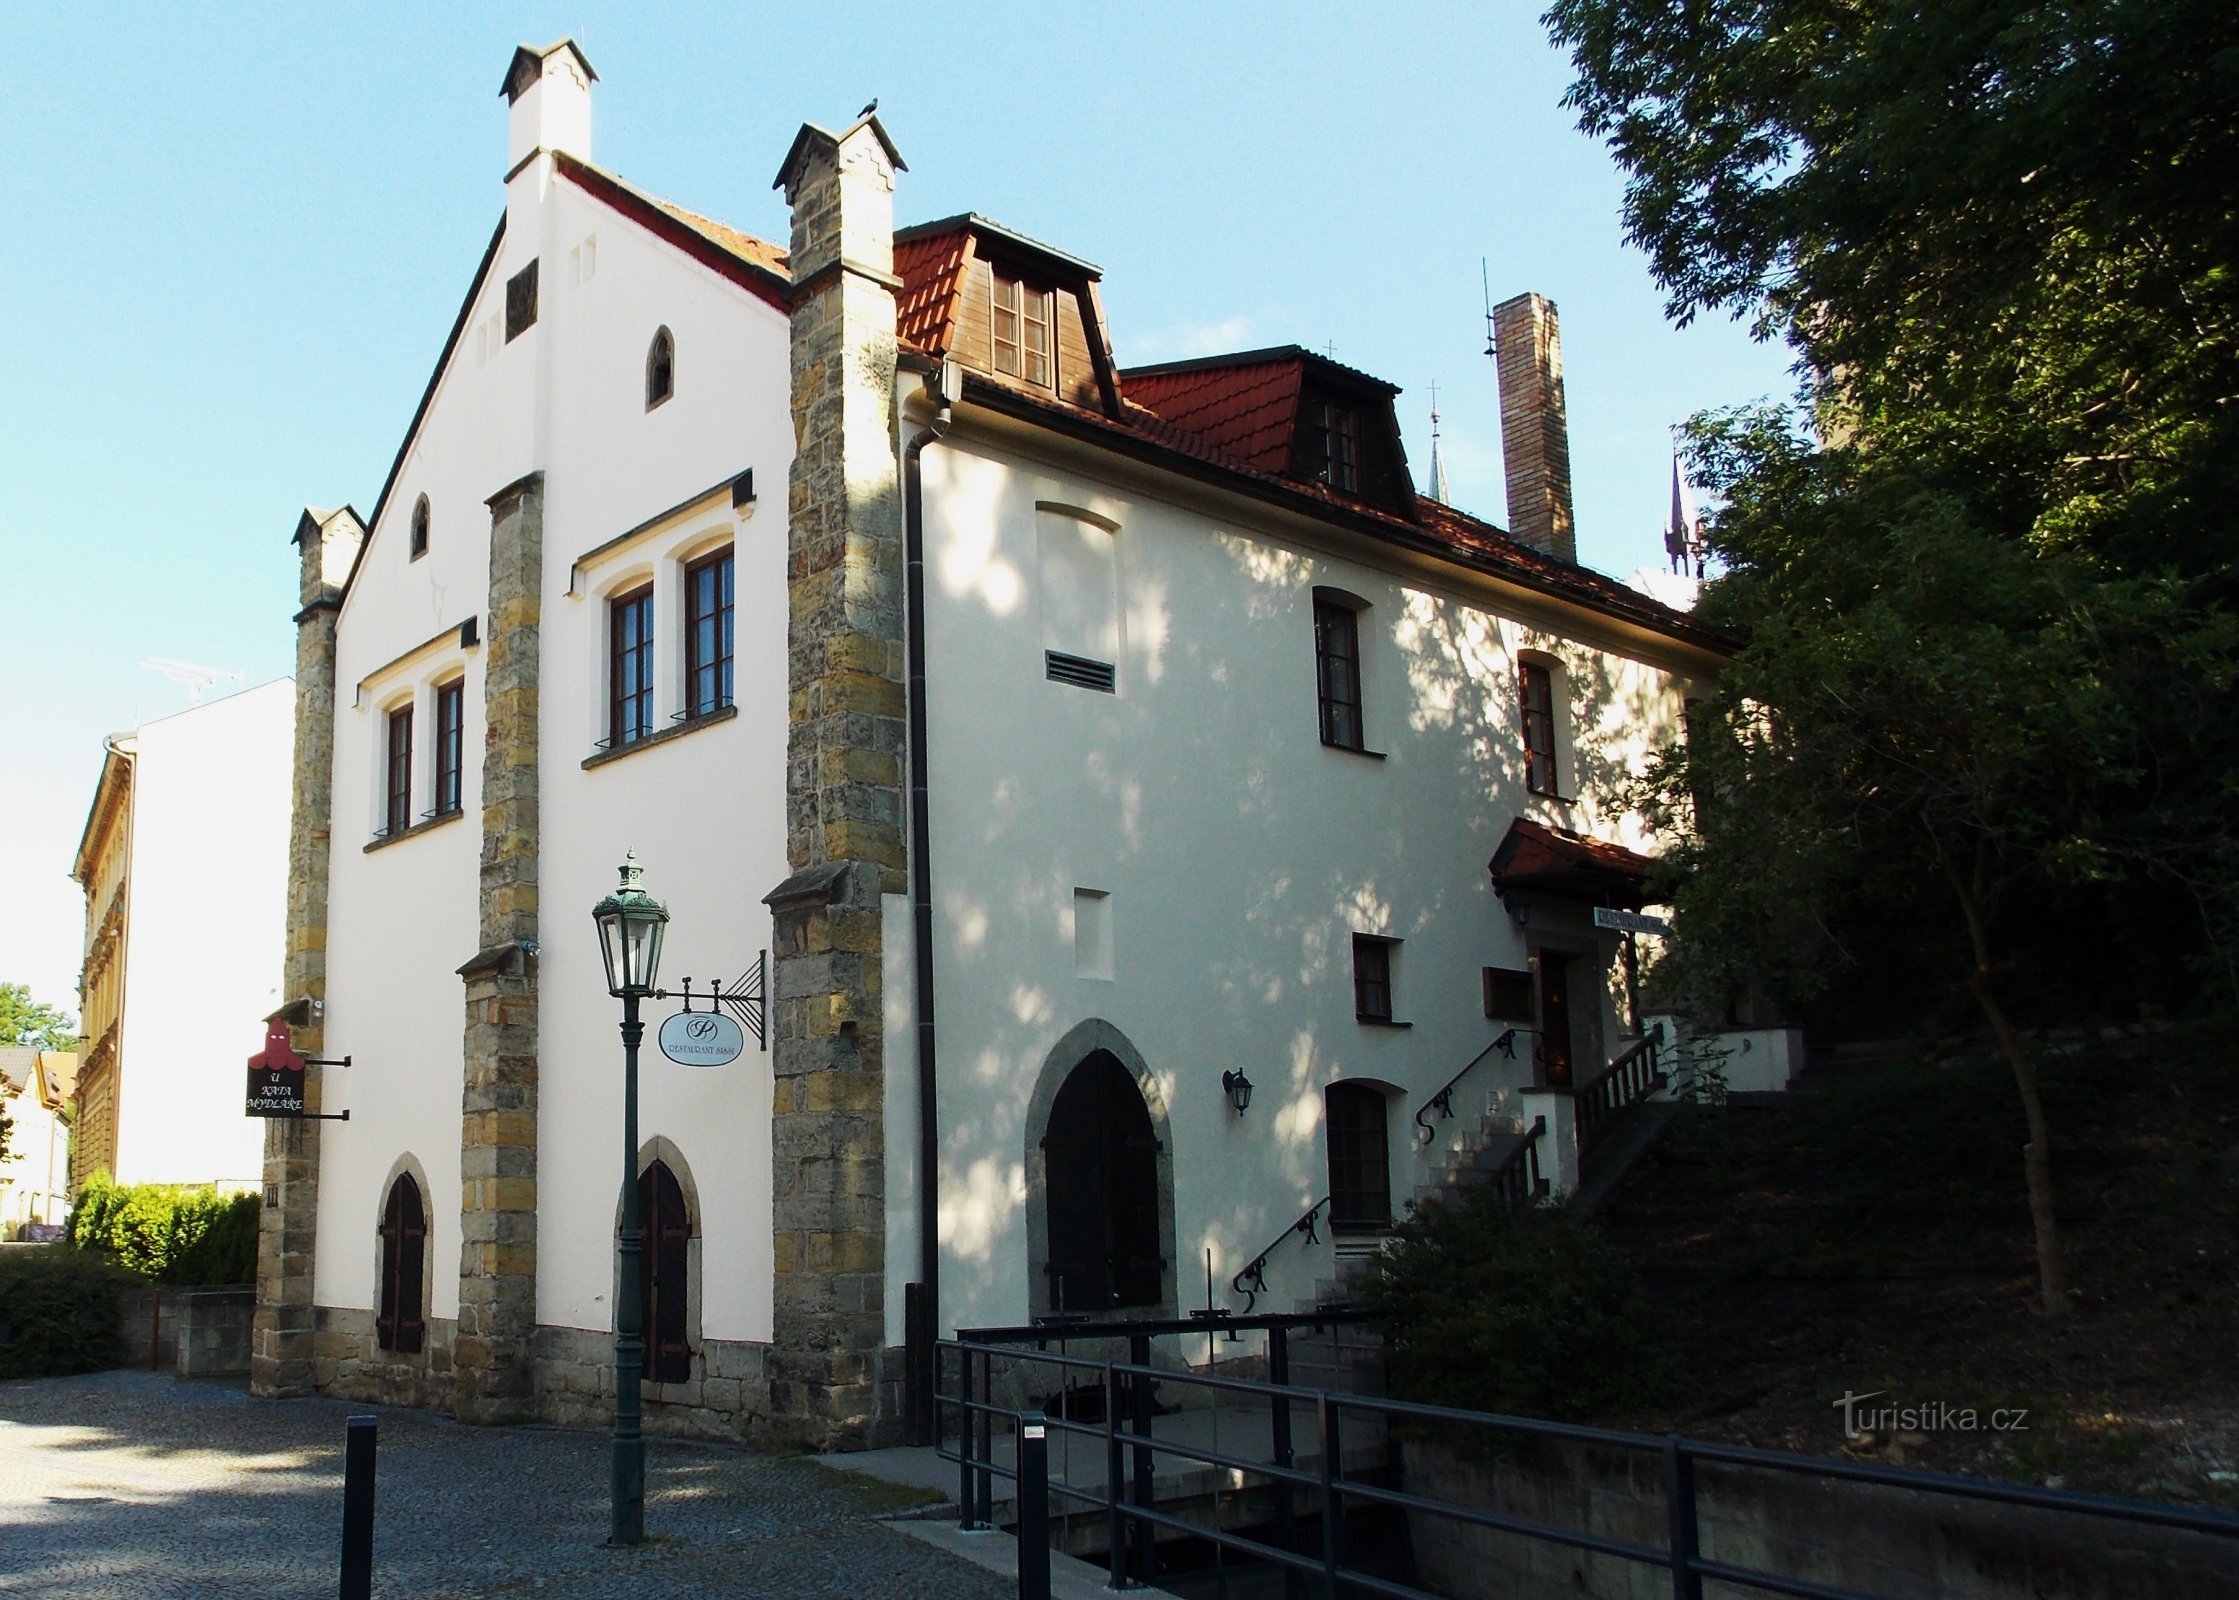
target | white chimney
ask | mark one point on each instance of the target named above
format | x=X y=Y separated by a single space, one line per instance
x=550 y=95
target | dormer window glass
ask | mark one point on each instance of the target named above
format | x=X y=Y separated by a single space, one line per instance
x=1023 y=317
x=1332 y=444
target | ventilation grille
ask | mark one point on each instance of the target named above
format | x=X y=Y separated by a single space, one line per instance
x=1078 y=671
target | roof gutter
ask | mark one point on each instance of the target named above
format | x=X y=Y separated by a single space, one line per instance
x=923 y=1318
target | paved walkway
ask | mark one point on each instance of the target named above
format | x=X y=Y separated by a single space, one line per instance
x=133 y=1486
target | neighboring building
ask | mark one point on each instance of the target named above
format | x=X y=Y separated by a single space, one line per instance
x=1146 y=718
x=183 y=861
x=35 y=1090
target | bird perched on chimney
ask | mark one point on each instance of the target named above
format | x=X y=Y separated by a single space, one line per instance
x=867 y=110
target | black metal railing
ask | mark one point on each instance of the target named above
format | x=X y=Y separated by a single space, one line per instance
x=1133 y=1520
x=1251 y=1282
x=1443 y=1101
x=1517 y=1179
x=1602 y=1100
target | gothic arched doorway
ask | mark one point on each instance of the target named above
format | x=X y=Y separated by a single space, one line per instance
x=1104 y=1204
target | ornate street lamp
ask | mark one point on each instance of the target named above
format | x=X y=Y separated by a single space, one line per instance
x=630 y=924
x=1238 y=1088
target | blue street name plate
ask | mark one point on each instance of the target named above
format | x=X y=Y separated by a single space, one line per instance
x=702 y=1039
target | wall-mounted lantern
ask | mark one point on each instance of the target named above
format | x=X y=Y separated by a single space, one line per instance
x=1238 y=1088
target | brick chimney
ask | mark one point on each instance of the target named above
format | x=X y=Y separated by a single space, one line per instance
x=1534 y=425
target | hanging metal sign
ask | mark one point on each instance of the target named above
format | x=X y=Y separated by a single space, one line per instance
x=1629 y=921
x=276 y=1079
x=702 y=1039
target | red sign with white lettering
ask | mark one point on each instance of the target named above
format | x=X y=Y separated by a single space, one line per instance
x=276 y=1076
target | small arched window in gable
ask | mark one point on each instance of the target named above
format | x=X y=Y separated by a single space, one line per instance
x=660 y=369
x=420 y=528
x=401 y=1324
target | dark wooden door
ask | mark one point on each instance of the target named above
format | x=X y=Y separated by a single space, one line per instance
x=1554 y=1019
x=401 y=1323
x=1101 y=1155
x=668 y=1235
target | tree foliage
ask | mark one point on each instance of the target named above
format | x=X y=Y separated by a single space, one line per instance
x=25 y=1021
x=1986 y=573
x=168 y=1233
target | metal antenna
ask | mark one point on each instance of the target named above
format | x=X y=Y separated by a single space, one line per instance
x=1485 y=275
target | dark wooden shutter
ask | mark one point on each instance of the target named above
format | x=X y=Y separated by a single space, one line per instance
x=668 y=1234
x=401 y=1324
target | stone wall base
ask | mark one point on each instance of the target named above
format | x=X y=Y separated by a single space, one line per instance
x=726 y=1396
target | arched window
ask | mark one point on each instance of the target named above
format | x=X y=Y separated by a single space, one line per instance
x=660 y=369
x=1102 y=1157
x=668 y=1236
x=401 y=1323
x=420 y=528
x=1360 y=1184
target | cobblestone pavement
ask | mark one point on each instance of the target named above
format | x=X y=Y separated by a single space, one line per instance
x=133 y=1486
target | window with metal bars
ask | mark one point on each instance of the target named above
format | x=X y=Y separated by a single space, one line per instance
x=707 y=634
x=1536 y=688
x=630 y=667
x=397 y=814
x=1337 y=668
x=1360 y=1187
x=400 y=1325
x=450 y=745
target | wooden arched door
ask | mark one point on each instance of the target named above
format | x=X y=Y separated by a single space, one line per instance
x=668 y=1236
x=1101 y=1154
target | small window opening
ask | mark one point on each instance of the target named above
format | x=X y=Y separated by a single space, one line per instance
x=420 y=528
x=1337 y=667
x=630 y=668
x=1536 y=689
x=396 y=814
x=1372 y=978
x=520 y=302
x=660 y=369
x=450 y=745
x=1023 y=317
x=708 y=610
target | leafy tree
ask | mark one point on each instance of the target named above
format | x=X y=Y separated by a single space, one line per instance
x=24 y=1021
x=1986 y=691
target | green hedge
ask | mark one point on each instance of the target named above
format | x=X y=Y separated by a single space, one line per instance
x=58 y=1312
x=168 y=1233
x=1536 y=1316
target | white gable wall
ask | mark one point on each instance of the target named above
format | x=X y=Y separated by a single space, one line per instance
x=704 y=811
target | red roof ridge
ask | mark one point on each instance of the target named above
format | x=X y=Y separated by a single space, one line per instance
x=755 y=265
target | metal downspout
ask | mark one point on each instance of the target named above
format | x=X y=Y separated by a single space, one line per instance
x=925 y=1327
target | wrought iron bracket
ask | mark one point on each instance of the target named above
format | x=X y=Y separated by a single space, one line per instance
x=746 y=998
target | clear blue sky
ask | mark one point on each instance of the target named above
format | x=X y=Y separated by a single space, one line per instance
x=233 y=238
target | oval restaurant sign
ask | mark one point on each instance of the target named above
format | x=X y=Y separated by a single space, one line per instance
x=276 y=1077
x=702 y=1039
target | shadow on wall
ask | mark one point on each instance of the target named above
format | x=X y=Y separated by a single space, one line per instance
x=1259 y=866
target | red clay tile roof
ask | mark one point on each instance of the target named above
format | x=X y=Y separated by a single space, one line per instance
x=745 y=246
x=1557 y=861
x=1435 y=526
x=1243 y=414
x=931 y=267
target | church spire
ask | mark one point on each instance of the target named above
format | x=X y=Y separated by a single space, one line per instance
x=1437 y=488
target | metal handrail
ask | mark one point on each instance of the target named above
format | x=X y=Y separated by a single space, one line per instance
x=1443 y=1101
x=1517 y=1180
x=1681 y=1557
x=1617 y=1087
x=1256 y=1268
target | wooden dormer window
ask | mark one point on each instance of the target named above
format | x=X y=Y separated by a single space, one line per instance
x=1332 y=444
x=1023 y=316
